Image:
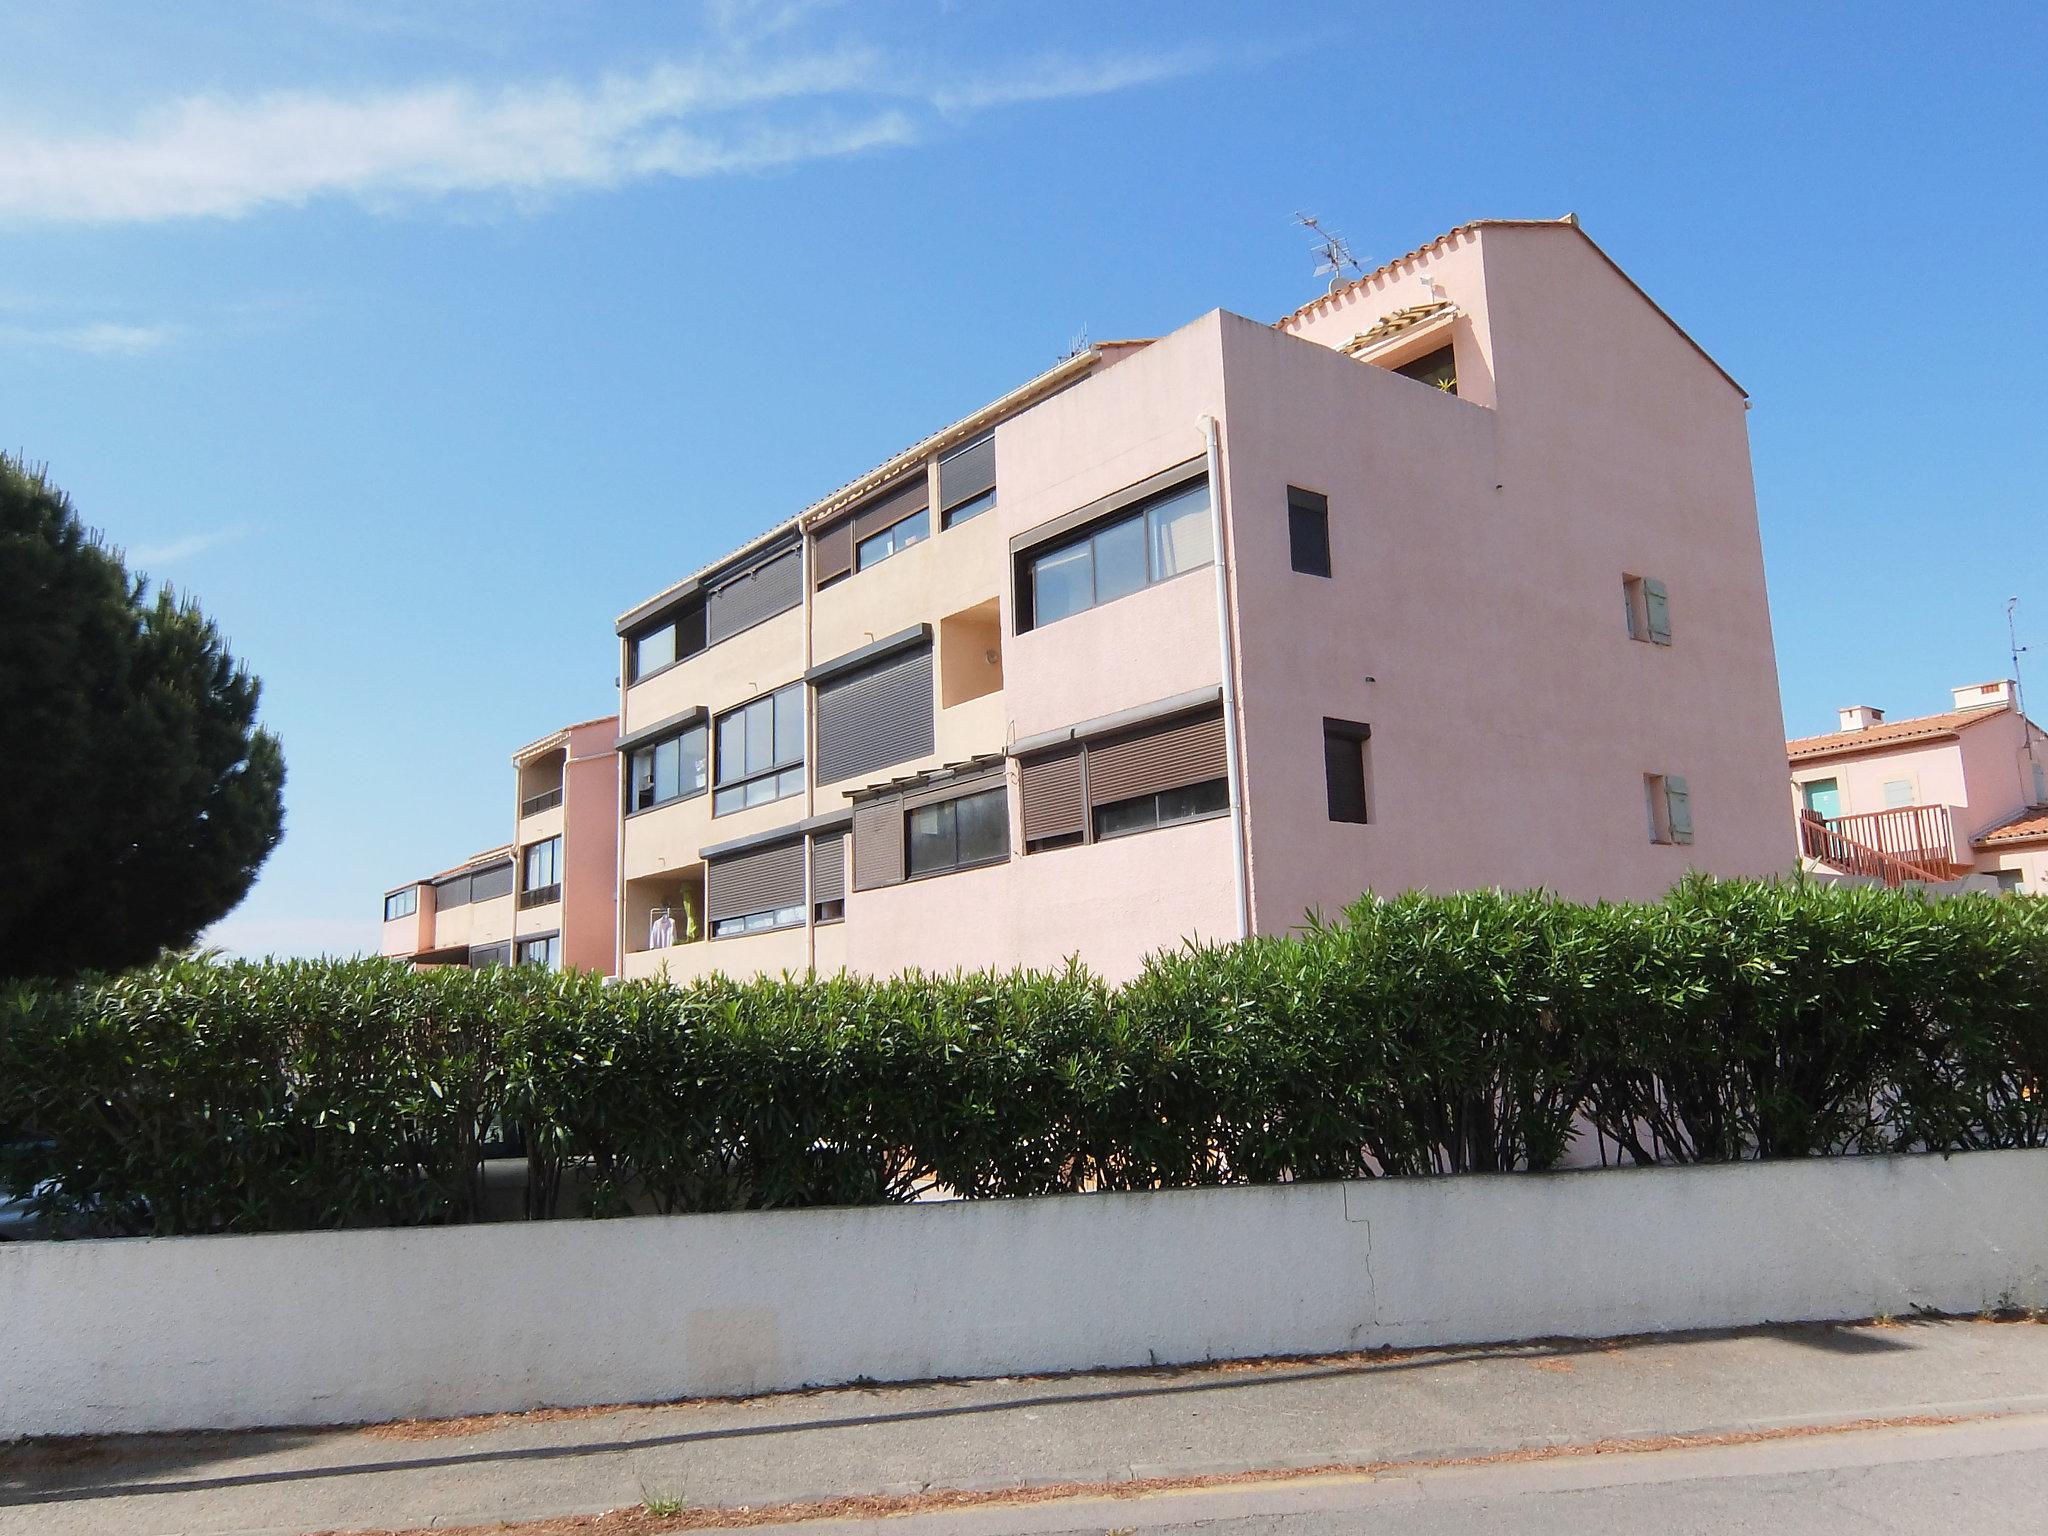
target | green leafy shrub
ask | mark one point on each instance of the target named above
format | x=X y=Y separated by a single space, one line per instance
x=1452 y=1034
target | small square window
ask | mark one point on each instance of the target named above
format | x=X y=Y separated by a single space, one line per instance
x=1308 y=531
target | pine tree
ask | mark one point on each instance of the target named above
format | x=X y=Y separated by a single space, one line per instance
x=140 y=796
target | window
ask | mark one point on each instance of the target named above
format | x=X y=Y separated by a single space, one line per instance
x=1158 y=541
x=1897 y=792
x=828 y=877
x=541 y=876
x=402 y=903
x=1142 y=813
x=1344 y=768
x=1649 y=609
x=967 y=481
x=1308 y=531
x=489 y=954
x=489 y=884
x=875 y=716
x=1670 y=807
x=672 y=640
x=1439 y=368
x=674 y=769
x=876 y=548
x=1154 y=776
x=543 y=952
x=760 y=752
x=756 y=890
x=2011 y=882
x=959 y=834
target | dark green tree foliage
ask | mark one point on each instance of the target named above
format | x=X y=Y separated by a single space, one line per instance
x=1473 y=1033
x=142 y=797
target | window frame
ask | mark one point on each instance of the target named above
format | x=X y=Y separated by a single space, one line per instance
x=688 y=622
x=998 y=791
x=410 y=896
x=1308 y=509
x=749 y=926
x=701 y=728
x=778 y=768
x=1353 y=737
x=1668 y=828
x=1066 y=542
x=552 y=846
x=1158 y=823
x=922 y=518
x=553 y=943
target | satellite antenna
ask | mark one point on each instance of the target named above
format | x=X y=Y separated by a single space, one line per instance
x=1333 y=256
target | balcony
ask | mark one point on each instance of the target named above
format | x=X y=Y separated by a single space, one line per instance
x=546 y=800
x=1904 y=843
x=540 y=896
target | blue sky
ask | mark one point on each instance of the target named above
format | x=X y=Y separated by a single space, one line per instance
x=418 y=341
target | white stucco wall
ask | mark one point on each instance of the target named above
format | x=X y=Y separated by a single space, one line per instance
x=335 y=1327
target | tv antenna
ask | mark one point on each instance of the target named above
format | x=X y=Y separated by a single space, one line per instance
x=1333 y=256
x=2019 y=694
x=1076 y=347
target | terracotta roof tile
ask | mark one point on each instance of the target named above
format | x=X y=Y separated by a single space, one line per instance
x=1394 y=324
x=2031 y=825
x=1890 y=733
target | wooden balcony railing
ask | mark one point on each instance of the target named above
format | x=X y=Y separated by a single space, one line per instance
x=1820 y=840
x=1918 y=834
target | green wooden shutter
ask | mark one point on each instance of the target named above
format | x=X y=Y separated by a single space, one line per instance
x=1658 y=604
x=1678 y=808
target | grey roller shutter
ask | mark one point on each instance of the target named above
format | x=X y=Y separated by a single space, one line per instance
x=451 y=893
x=967 y=472
x=832 y=552
x=486 y=884
x=772 y=587
x=877 y=843
x=759 y=880
x=891 y=507
x=1170 y=756
x=828 y=867
x=1049 y=788
x=876 y=717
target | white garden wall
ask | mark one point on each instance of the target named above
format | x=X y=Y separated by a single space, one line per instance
x=331 y=1327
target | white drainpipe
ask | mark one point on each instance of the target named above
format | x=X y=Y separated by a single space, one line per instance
x=1224 y=636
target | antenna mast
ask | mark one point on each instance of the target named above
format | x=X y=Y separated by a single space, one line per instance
x=2019 y=694
x=1333 y=256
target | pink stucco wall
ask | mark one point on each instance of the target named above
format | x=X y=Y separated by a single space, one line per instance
x=1478 y=558
x=590 y=850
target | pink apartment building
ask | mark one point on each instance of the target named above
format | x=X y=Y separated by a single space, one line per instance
x=1934 y=798
x=1451 y=578
x=548 y=897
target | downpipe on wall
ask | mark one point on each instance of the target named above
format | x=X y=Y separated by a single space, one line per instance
x=1225 y=638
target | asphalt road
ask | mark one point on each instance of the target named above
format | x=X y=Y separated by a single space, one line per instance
x=1959 y=1480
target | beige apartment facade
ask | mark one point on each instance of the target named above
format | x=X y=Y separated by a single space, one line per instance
x=549 y=896
x=1449 y=579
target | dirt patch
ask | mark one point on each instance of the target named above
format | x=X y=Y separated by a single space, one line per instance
x=641 y=1522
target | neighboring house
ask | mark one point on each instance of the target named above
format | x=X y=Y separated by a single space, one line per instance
x=1933 y=798
x=548 y=897
x=1450 y=579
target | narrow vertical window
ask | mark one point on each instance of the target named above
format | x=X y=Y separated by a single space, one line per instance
x=1648 y=605
x=1669 y=802
x=1308 y=531
x=1345 y=771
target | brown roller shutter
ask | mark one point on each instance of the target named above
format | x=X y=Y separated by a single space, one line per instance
x=759 y=880
x=1172 y=756
x=891 y=507
x=877 y=844
x=967 y=472
x=832 y=552
x=772 y=587
x=1050 y=789
x=828 y=867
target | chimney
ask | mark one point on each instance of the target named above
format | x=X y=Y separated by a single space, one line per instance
x=1995 y=695
x=1860 y=717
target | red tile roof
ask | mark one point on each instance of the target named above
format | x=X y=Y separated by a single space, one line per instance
x=1890 y=733
x=2031 y=825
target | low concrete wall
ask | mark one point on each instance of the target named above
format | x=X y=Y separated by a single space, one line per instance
x=334 y=1327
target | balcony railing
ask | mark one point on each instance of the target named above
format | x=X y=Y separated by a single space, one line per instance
x=1826 y=841
x=540 y=896
x=546 y=800
x=1918 y=834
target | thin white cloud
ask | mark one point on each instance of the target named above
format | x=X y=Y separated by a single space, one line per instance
x=1060 y=79
x=151 y=556
x=209 y=156
x=99 y=338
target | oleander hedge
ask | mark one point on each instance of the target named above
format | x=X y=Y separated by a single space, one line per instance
x=1418 y=1035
